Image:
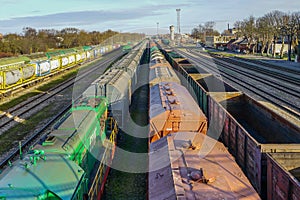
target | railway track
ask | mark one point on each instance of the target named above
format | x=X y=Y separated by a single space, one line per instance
x=294 y=91
x=279 y=75
x=30 y=141
x=226 y=72
x=268 y=65
x=15 y=114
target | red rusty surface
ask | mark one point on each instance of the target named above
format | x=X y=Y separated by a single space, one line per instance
x=225 y=179
x=240 y=147
x=232 y=137
x=221 y=119
x=226 y=128
x=249 y=150
x=173 y=109
x=253 y=163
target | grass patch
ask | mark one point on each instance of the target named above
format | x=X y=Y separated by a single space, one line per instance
x=123 y=185
x=223 y=53
x=129 y=186
x=61 y=78
x=57 y=80
x=18 y=100
x=10 y=138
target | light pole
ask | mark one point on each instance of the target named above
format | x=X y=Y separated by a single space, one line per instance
x=178 y=25
x=157 y=23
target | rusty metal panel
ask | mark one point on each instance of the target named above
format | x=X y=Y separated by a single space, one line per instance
x=253 y=163
x=232 y=138
x=221 y=119
x=277 y=182
x=280 y=184
x=241 y=150
x=226 y=130
x=240 y=144
x=295 y=192
x=269 y=178
x=283 y=176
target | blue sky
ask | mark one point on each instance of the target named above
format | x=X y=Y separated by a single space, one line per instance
x=131 y=15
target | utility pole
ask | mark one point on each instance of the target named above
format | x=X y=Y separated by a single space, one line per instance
x=178 y=25
x=178 y=20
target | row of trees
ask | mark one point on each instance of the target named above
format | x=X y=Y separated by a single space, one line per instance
x=270 y=28
x=32 y=40
x=202 y=31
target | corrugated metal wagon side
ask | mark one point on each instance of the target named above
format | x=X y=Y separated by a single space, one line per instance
x=283 y=176
x=250 y=131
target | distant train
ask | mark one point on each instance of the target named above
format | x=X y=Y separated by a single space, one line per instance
x=185 y=163
x=22 y=74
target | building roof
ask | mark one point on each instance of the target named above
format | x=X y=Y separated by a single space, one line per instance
x=231 y=41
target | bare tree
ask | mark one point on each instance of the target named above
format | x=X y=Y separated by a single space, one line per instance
x=293 y=30
x=202 y=31
x=238 y=26
x=248 y=29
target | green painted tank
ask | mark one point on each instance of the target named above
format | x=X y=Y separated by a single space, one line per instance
x=62 y=166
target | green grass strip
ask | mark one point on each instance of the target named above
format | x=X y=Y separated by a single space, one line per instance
x=10 y=138
x=18 y=100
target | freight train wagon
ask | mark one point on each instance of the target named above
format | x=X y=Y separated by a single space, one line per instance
x=249 y=129
x=118 y=83
x=18 y=75
x=160 y=68
x=173 y=109
x=283 y=176
x=61 y=166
